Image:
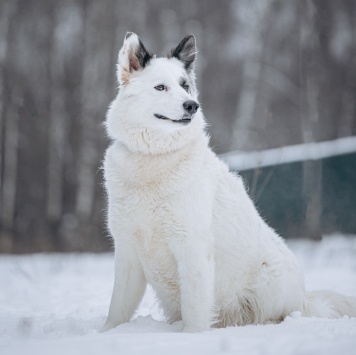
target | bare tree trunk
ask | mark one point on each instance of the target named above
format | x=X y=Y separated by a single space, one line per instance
x=7 y=203
x=348 y=104
x=57 y=122
x=10 y=162
x=8 y=121
x=241 y=135
x=89 y=98
x=308 y=72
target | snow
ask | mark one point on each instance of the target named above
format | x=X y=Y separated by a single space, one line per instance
x=56 y=303
x=309 y=151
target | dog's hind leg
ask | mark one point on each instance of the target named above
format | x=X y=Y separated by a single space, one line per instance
x=129 y=287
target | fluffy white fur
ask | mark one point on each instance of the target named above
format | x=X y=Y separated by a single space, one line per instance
x=181 y=221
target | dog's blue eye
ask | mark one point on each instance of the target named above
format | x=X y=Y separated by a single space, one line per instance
x=160 y=87
x=186 y=88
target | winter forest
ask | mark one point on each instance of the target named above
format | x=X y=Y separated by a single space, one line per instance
x=277 y=83
x=270 y=74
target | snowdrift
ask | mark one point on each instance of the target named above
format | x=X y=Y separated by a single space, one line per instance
x=56 y=303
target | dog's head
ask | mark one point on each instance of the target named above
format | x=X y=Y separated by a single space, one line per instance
x=156 y=110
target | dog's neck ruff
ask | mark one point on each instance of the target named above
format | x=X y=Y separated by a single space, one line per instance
x=152 y=141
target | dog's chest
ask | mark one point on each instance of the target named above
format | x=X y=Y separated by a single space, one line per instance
x=146 y=213
x=158 y=262
x=151 y=238
x=144 y=200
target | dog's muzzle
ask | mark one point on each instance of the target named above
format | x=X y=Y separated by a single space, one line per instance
x=190 y=108
x=184 y=120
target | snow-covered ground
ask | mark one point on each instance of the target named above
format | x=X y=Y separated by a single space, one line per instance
x=55 y=304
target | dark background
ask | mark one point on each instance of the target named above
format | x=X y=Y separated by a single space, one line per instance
x=270 y=73
x=282 y=197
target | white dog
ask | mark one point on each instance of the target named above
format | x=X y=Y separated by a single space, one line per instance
x=180 y=220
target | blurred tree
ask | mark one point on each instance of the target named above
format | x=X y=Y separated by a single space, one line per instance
x=270 y=73
x=310 y=80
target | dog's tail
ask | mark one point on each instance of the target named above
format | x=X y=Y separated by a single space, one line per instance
x=327 y=304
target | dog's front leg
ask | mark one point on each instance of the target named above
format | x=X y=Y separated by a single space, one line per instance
x=129 y=286
x=195 y=263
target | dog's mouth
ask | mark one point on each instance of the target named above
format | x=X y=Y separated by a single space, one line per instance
x=184 y=120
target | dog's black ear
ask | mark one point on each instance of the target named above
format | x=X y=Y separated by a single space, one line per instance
x=186 y=52
x=133 y=57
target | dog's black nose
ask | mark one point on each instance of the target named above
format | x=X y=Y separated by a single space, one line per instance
x=191 y=107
